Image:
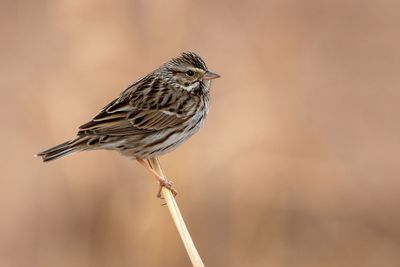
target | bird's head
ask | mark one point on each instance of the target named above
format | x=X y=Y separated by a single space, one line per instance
x=190 y=72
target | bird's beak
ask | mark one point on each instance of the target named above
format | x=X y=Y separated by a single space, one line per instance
x=210 y=75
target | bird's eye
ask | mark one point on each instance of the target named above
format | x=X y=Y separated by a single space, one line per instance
x=189 y=73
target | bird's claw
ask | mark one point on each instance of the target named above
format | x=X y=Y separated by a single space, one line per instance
x=167 y=184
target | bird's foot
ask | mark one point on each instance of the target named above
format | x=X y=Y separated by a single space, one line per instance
x=167 y=184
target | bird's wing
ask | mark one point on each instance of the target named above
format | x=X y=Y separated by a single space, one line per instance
x=146 y=106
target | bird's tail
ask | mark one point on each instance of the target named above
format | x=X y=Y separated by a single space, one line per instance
x=61 y=150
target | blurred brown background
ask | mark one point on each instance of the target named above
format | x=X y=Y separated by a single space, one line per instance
x=297 y=164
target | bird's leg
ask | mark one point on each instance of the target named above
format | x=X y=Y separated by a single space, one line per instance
x=163 y=181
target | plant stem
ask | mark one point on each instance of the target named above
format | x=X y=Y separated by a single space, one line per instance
x=177 y=217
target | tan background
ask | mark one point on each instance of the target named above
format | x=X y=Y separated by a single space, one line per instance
x=297 y=164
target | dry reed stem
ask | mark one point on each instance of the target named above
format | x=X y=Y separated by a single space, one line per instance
x=177 y=217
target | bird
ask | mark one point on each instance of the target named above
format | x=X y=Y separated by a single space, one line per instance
x=150 y=118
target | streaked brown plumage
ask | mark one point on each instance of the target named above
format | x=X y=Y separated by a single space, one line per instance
x=152 y=116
